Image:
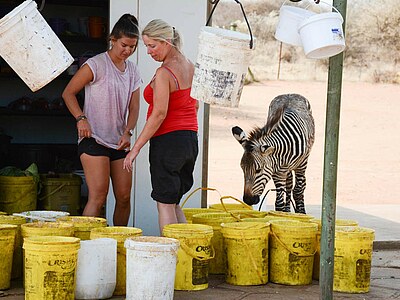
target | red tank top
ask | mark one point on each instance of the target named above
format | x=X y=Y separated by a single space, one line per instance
x=181 y=114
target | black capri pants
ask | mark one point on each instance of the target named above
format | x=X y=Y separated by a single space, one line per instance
x=172 y=159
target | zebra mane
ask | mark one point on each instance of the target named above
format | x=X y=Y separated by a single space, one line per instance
x=260 y=132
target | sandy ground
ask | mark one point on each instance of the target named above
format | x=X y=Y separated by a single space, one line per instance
x=369 y=158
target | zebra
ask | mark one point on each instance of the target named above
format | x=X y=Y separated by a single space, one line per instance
x=277 y=150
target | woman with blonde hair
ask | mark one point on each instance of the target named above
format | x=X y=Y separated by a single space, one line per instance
x=171 y=125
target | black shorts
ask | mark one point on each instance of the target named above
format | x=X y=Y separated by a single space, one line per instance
x=172 y=158
x=91 y=147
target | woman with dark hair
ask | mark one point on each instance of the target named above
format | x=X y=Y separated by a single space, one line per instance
x=171 y=125
x=109 y=115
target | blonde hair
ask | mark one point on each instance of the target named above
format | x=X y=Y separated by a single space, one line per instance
x=160 y=30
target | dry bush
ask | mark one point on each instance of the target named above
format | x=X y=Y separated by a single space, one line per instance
x=372 y=41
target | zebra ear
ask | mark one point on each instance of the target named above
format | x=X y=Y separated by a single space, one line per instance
x=267 y=150
x=239 y=134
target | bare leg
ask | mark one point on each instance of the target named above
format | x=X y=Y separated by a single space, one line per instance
x=122 y=184
x=97 y=174
x=180 y=215
x=166 y=215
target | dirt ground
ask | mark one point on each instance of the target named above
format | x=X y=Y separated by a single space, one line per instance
x=369 y=157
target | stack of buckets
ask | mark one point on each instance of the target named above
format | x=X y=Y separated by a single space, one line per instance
x=321 y=35
x=60 y=261
x=281 y=248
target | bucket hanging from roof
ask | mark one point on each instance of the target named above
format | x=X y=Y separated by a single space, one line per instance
x=222 y=62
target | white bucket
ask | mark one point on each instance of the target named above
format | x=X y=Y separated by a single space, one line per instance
x=290 y=18
x=96 y=270
x=30 y=47
x=222 y=61
x=150 y=267
x=322 y=35
x=42 y=215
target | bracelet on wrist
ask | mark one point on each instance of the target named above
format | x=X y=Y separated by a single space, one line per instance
x=80 y=118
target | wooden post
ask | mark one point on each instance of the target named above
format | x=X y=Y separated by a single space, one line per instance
x=280 y=60
x=328 y=214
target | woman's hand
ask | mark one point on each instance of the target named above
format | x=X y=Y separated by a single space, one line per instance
x=84 y=129
x=124 y=142
x=128 y=161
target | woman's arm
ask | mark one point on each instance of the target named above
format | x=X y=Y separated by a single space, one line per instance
x=161 y=90
x=134 y=105
x=76 y=84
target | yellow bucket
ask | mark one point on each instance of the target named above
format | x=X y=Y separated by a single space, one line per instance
x=247 y=213
x=47 y=229
x=50 y=266
x=240 y=205
x=256 y=220
x=317 y=256
x=218 y=264
x=44 y=229
x=83 y=225
x=17 y=257
x=229 y=206
x=7 y=239
x=246 y=247
x=17 y=194
x=292 y=249
x=3 y=213
x=194 y=254
x=60 y=193
x=120 y=234
x=271 y=218
x=353 y=256
x=189 y=212
x=289 y=215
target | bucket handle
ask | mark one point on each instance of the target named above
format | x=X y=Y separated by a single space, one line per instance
x=316 y=2
x=244 y=15
x=232 y=214
x=53 y=192
x=42 y=5
x=294 y=253
x=330 y=6
x=307 y=5
x=198 y=189
x=193 y=254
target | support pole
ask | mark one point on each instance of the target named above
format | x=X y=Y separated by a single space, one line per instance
x=328 y=214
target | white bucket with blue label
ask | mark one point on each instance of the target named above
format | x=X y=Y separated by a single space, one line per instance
x=322 y=35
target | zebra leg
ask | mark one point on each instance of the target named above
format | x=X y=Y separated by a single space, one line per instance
x=289 y=188
x=298 y=191
x=280 y=191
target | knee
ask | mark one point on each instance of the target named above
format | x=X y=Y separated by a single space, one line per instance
x=98 y=195
x=123 y=198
